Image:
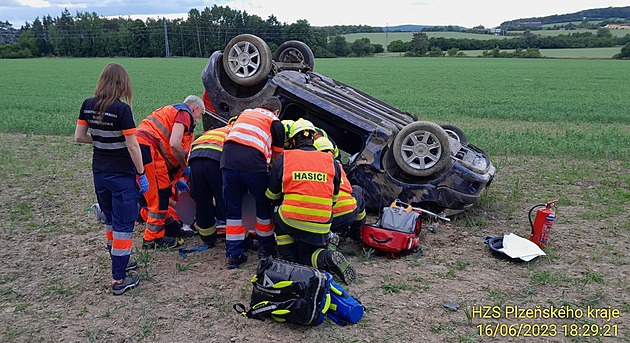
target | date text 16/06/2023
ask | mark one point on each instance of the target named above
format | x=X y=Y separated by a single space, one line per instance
x=546 y=330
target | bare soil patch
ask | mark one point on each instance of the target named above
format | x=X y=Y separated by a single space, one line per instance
x=53 y=283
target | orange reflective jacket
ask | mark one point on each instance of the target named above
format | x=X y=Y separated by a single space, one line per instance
x=308 y=190
x=253 y=128
x=211 y=139
x=159 y=126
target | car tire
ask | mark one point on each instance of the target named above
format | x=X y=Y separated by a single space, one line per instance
x=294 y=51
x=456 y=133
x=247 y=59
x=422 y=149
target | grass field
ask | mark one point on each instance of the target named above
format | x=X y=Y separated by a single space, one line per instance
x=554 y=129
x=485 y=96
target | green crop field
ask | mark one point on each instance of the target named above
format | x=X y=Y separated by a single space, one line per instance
x=528 y=106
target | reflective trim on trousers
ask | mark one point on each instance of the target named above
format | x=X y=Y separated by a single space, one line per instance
x=206 y=231
x=285 y=240
x=237 y=237
x=157 y=215
x=155 y=227
x=264 y=227
x=314 y=257
x=109 y=233
x=122 y=243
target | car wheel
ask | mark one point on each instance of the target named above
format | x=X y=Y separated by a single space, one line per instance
x=422 y=149
x=247 y=59
x=294 y=51
x=455 y=132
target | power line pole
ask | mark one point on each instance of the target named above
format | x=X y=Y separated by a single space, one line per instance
x=386 y=38
x=168 y=52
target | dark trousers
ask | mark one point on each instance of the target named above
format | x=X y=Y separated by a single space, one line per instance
x=300 y=246
x=237 y=183
x=118 y=198
x=206 y=184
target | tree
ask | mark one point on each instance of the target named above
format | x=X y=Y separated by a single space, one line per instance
x=624 y=54
x=339 y=46
x=452 y=52
x=362 y=47
x=419 y=45
x=398 y=46
x=435 y=52
x=378 y=48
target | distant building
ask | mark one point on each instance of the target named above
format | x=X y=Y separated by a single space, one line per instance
x=618 y=26
x=496 y=31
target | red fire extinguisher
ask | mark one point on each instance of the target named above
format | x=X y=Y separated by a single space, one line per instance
x=541 y=228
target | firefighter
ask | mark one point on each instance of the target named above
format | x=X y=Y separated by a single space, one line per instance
x=206 y=182
x=165 y=137
x=349 y=210
x=256 y=138
x=306 y=184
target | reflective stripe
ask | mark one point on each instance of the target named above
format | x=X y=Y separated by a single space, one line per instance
x=206 y=231
x=322 y=214
x=121 y=252
x=273 y=196
x=109 y=146
x=284 y=240
x=160 y=126
x=360 y=216
x=314 y=257
x=169 y=220
x=123 y=235
x=263 y=221
x=321 y=228
x=346 y=203
x=157 y=215
x=208 y=146
x=265 y=112
x=155 y=227
x=238 y=237
x=106 y=134
x=264 y=233
x=250 y=127
x=108 y=228
x=251 y=139
x=234 y=222
x=309 y=198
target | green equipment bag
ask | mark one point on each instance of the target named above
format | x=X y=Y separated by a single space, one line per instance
x=287 y=291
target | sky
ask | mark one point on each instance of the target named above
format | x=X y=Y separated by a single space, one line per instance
x=467 y=13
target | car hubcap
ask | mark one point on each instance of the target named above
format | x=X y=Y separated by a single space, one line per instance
x=421 y=150
x=244 y=59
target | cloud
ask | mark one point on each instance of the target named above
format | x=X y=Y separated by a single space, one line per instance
x=34 y=3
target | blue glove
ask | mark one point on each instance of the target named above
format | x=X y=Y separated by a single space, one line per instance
x=186 y=171
x=144 y=184
x=182 y=186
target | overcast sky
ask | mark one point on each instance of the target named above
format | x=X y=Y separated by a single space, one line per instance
x=468 y=13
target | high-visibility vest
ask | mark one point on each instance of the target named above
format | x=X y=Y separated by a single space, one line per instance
x=346 y=203
x=253 y=128
x=308 y=188
x=159 y=127
x=210 y=142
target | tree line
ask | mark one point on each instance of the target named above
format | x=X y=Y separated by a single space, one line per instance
x=203 y=32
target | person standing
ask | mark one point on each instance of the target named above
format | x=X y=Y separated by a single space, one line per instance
x=206 y=183
x=164 y=138
x=256 y=138
x=306 y=184
x=116 y=165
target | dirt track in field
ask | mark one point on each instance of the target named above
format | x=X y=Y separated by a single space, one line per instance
x=53 y=283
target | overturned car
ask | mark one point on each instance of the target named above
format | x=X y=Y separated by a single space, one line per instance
x=388 y=152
